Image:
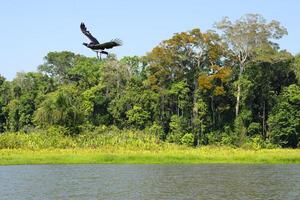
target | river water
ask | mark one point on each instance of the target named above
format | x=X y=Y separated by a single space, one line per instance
x=208 y=181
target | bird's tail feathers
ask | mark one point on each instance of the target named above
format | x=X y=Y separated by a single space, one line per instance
x=118 y=41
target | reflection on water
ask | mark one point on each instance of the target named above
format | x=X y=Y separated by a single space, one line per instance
x=150 y=182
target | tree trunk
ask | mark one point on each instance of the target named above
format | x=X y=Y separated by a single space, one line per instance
x=178 y=106
x=162 y=107
x=213 y=110
x=199 y=135
x=237 y=100
x=264 y=120
x=194 y=112
x=238 y=95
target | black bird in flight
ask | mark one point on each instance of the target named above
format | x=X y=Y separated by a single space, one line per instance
x=95 y=45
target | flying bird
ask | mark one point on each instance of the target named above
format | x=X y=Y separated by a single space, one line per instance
x=95 y=45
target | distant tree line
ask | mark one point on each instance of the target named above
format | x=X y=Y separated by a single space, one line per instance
x=226 y=85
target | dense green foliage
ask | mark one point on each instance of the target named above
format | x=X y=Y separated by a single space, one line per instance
x=196 y=88
x=284 y=120
x=57 y=137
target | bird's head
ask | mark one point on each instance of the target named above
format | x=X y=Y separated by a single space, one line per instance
x=85 y=44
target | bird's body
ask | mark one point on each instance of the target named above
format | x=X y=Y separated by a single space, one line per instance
x=95 y=45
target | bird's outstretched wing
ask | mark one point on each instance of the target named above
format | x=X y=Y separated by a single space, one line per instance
x=88 y=34
x=111 y=44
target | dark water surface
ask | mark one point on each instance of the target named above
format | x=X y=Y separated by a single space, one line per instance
x=226 y=181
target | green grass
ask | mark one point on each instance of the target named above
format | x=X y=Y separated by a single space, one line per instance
x=171 y=154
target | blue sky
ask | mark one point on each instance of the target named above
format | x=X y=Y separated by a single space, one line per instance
x=30 y=29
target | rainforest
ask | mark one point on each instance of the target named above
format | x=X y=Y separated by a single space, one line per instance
x=228 y=88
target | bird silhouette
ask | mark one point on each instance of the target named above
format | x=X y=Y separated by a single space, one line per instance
x=95 y=45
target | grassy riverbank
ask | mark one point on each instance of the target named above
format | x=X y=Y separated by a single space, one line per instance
x=54 y=146
x=170 y=155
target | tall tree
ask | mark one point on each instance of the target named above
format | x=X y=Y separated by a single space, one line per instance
x=63 y=107
x=297 y=67
x=212 y=85
x=57 y=65
x=181 y=59
x=284 y=120
x=268 y=73
x=4 y=98
x=245 y=37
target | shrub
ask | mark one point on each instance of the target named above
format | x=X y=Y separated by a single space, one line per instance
x=137 y=117
x=157 y=130
x=176 y=129
x=227 y=140
x=213 y=138
x=257 y=142
x=254 y=128
x=188 y=139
